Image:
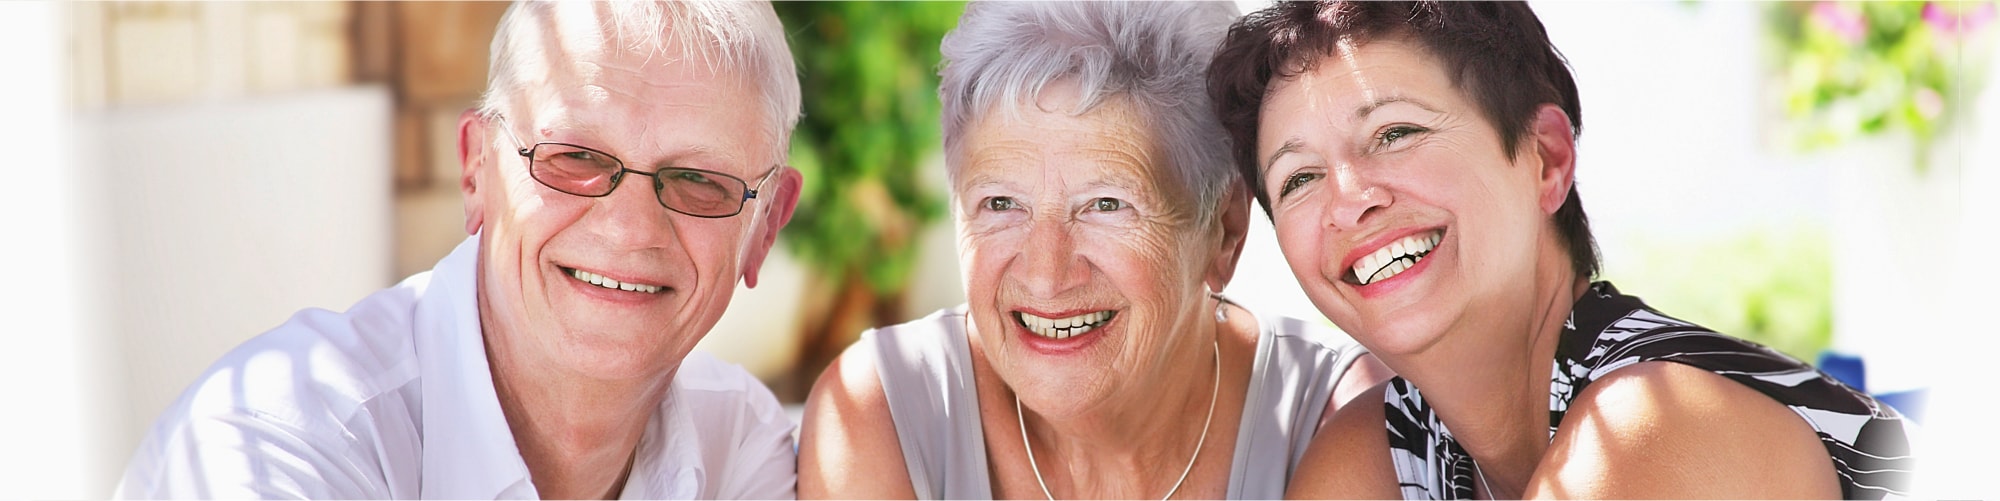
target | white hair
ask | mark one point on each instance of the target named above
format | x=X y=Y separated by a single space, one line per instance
x=745 y=37
x=1152 y=55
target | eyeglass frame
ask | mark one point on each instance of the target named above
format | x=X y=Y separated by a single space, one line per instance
x=527 y=152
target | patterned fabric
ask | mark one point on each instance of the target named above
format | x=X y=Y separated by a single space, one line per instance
x=1607 y=331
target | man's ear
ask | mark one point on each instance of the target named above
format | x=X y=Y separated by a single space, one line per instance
x=1234 y=214
x=1555 y=146
x=473 y=148
x=782 y=197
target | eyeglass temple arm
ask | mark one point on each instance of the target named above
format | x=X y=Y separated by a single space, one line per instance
x=752 y=192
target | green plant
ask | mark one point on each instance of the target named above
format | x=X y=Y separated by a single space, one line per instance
x=868 y=70
x=1771 y=286
x=1852 y=70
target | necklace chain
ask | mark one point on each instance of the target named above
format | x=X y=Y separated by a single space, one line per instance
x=1490 y=493
x=1213 y=392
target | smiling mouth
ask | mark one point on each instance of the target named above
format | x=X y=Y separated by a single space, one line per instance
x=1394 y=259
x=1063 y=328
x=608 y=283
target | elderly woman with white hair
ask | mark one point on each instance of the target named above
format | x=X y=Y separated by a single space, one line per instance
x=1097 y=214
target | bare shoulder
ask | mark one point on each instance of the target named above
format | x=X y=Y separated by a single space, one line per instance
x=847 y=445
x=1667 y=430
x=1366 y=373
x=1349 y=457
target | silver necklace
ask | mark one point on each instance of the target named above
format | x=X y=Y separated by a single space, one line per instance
x=1490 y=493
x=1213 y=392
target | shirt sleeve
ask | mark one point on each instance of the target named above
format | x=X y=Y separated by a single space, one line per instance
x=241 y=456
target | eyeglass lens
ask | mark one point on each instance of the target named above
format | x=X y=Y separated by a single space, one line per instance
x=585 y=172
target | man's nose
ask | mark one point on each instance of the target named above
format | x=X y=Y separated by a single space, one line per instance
x=632 y=217
x=1049 y=262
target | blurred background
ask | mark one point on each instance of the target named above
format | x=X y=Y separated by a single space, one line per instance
x=1821 y=177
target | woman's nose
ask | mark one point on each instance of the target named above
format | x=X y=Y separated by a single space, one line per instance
x=1050 y=265
x=1355 y=197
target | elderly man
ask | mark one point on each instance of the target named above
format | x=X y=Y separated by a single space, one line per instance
x=549 y=354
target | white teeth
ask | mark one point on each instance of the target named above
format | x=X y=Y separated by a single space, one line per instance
x=1394 y=258
x=608 y=283
x=1063 y=328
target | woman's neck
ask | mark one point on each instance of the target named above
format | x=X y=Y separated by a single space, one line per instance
x=1138 y=446
x=1490 y=386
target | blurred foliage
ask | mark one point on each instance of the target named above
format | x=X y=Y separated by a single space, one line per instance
x=1857 y=69
x=1773 y=287
x=868 y=70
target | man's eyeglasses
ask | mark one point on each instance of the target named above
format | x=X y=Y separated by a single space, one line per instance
x=586 y=172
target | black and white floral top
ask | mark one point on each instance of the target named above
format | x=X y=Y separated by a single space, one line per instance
x=1608 y=331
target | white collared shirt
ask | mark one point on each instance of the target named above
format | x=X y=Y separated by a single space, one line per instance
x=393 y=399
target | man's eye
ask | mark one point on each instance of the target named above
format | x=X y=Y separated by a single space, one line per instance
x=693 y=177
x=1295 y=181
x=1001 y=204
x=1108 y=204
x=578 y=155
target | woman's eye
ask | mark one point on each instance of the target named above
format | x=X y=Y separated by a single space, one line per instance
x=579 y=155
x=1108 y=204
x=1295 y=181
x=1390 y=135
x=1001 y=204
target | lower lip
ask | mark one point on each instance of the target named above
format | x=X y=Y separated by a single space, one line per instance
x=613 y=295
x=1392 y=284
x=1053 y=346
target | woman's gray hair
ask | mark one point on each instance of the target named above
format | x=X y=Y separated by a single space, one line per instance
x=1153 y=55
x=744 y=37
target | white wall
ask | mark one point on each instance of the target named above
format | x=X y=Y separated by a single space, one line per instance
x=48 y=440
x=162 y=237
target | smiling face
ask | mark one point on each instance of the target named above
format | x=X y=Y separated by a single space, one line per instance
x=1084 y=264
x=1396 y=204
x=549 y=260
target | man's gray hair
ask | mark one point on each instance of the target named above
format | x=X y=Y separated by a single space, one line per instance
x=738 y=36
x=1153 y=55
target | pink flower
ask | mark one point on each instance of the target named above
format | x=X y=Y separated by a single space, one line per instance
x=1952 y=24
x=1844 y=21
x=1929 y=103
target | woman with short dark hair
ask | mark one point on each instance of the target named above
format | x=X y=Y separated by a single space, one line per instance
x=1418 y=162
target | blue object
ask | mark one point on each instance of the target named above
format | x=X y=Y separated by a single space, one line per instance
x=1853 y=372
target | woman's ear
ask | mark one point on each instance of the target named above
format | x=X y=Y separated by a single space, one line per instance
x=1233 y=213
x=1555 y=147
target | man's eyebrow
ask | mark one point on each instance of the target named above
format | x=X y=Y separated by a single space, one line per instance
x=1369 y=107
x=1290 y=146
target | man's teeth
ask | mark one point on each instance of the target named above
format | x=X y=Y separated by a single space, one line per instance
x=608 y=283
x=1392 y=259
x=1062 y=328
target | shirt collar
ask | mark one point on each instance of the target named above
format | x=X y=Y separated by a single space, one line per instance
x=469 y=452
x=669 y=465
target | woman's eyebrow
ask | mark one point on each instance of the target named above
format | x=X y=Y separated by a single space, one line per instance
x=1369 y=107
x=1291 y=146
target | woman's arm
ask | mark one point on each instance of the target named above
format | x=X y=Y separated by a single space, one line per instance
x=847 y=445
x=1664 y=430
x=1359 y=378
x=1349 y=458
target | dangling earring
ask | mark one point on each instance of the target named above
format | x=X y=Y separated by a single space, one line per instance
x=1220 y=304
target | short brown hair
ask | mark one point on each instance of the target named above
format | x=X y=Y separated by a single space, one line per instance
x=1497 y=54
